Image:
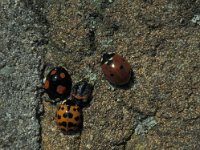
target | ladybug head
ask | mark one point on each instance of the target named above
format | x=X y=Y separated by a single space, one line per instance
x=69 y=102
x=106 y=57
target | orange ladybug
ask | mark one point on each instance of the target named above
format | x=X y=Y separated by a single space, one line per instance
x=69 y=116
x=116 y=69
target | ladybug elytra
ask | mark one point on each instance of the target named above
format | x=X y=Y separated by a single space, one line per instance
x=69 y=116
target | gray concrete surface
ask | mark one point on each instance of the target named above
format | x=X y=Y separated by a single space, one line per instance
x=20 y=74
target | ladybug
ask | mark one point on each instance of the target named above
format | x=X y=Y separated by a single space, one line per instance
x=58 y=84
x=82 y=93
x=116 y=69
x=69 y=116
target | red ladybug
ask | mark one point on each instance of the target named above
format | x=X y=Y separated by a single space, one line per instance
x=58 y=84
x=116 y=69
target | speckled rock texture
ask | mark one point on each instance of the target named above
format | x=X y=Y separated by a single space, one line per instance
x=20 y=75
x=159 y=38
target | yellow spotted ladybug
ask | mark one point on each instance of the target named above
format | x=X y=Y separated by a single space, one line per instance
x=82 y=93
x=58 y=84
x=69 y=116
x=116 y=69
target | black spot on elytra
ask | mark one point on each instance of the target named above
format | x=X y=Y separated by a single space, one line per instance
x=77 y=118
x=64 y=124
x=58 y=116
x=121 y=67
x=111 y=75
x=70 y=124
x=67 y=115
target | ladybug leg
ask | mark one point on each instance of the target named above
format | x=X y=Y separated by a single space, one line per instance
x=63 y=102
x=56 y=100
x=54 y=117
x=40 y=90
x=52 y=101
x=53 y=113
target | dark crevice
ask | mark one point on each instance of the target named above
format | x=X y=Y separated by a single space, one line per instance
x=39 y=113
x=122 y=144
x=92 y=40
x=124 y=141
x=40 y=91
x=39 y=106
x=40 y=18
x=140 y=116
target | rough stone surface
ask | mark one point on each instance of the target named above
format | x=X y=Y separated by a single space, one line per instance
x=160 y=39
x=20 y=71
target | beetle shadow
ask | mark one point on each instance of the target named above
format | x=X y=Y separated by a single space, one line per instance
x=127 y=85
